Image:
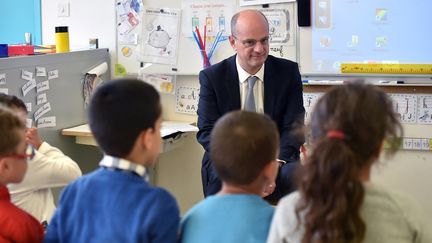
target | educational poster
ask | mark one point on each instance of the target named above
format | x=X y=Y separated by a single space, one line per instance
x=424 y=109
x=405 y=106
x=187 y=99
x=309 y=101
x=280 y=24
x=261 y=2
x=214 y=14
x=160 y=35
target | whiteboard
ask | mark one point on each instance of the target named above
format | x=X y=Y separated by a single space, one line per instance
x=189 y=61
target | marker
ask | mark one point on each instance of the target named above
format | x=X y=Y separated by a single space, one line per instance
x=323 y=82
x=391 y=82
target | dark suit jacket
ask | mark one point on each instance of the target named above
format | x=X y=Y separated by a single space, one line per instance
x=283 y=102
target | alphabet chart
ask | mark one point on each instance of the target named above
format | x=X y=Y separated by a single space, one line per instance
x=187 y=99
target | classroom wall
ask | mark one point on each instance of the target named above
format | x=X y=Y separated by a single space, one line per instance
x=88 y=19
x=408 y=171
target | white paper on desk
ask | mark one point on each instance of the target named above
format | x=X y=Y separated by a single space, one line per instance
x=42 y=111
x=28 y=86
x=49 y=121
x=169 y=128
x=41 y=99
x=42 y=86
x=26 y=75
x=28 y=106
x=53 y=74
x=4 y=91
x=40 y=72
x=2 y=78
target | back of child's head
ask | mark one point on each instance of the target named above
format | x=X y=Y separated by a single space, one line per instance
x=10 y=123
x=242 y=144
x=119 y=111
x=12 y=102
x=348 y=127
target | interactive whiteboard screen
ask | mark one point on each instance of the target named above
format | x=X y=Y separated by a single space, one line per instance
x=366 y=31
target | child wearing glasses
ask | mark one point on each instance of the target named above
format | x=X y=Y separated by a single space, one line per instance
x=15 y=224
x=244 y=147
x=336 y=201
x=48 y=169
x=115 y=203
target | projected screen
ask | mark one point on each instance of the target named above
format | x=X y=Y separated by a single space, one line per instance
x=367 y=31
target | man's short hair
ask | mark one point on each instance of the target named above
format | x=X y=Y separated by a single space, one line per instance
x=119 y=111
x=242 y=144
x=12 y=102
x=10 y=123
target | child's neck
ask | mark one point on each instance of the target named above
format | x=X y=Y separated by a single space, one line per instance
x=228 y=189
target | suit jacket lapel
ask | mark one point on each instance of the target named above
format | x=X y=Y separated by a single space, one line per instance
x=232 y=85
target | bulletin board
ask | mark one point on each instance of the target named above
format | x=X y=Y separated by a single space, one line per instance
x=281 y=17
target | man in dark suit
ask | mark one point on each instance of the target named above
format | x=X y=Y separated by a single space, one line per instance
x=275 y=90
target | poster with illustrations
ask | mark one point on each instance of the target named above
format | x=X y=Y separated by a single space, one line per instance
x=160 y=34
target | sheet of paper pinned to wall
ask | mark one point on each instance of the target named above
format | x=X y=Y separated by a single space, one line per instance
x=424 y=109
x=53 y=74
x=215 y=14
x=4 y=91
x=160 y=35
x=28 y=106
x=405 y=105
x=42 y=111
x=31 y=84
x=41 y=72
x=49 y=121
x=42 y=86
x=187 y=99
x=309 y=101
x=26 y=75
x=41 y=99
x=2 y=78
x=162 y=82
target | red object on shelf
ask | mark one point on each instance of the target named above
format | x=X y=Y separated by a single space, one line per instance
x=17 y=50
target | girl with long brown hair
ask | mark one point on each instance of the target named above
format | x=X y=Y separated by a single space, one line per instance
x=335 y=201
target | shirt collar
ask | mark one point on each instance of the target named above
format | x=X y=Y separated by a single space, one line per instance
x=243 y=75
x=123 y=164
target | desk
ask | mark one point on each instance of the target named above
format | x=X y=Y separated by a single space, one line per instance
x=172 y=132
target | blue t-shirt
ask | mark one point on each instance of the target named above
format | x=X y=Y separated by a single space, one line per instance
x=114 y=206
x=228 y=218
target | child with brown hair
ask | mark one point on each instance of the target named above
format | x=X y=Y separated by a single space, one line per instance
x=336 y=202
x=244 y=147
x=15 y=224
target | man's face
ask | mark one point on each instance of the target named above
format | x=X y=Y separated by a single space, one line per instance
x=251 y=41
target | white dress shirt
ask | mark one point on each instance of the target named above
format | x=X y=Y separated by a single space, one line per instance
x=258 y=87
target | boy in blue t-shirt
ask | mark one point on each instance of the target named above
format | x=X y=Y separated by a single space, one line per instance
x=115 y=203
x=244 y=147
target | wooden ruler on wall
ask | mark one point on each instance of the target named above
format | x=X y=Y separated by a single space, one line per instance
x=386 y=68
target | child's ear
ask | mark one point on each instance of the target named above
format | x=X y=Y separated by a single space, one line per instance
x=146 y=138
x=3 y=165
